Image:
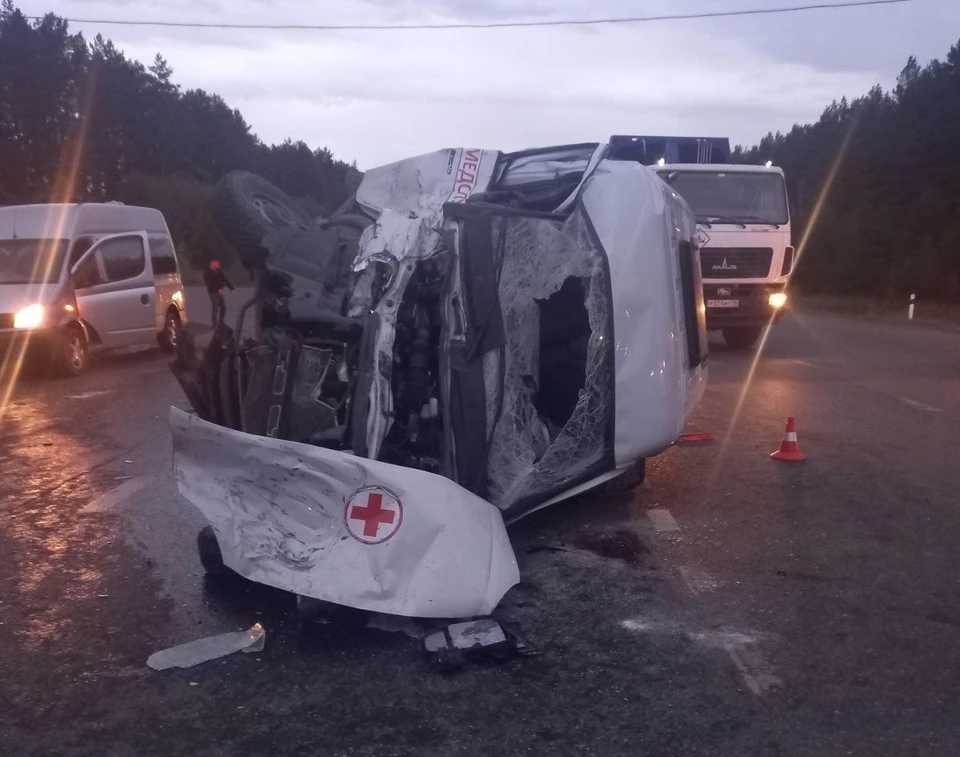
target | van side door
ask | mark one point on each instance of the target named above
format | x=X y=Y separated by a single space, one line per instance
x=113 y=283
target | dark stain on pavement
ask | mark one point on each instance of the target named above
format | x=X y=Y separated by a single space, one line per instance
x=621 y=544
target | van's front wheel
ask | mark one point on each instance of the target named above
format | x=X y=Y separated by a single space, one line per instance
x=73 y=352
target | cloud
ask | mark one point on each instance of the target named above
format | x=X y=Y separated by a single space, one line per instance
x=378 y=96
x=473 y=11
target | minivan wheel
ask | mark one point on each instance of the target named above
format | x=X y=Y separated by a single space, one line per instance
x=73 y=352
x=170 y=335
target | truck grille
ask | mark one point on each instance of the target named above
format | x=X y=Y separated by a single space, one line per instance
x=735 y=262
x=6 y=320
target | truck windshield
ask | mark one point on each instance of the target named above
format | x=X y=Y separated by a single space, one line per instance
x=732 y=197
x=31 y=261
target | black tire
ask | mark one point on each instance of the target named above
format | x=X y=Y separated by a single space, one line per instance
x=73 y=352
x=208 y=548
x=247 y=207
x=170 y=336
x=742 y=337
x=631 y=478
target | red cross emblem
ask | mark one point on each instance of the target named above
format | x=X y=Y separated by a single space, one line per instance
x=373 y=515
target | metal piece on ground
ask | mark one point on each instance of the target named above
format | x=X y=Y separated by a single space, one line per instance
x=211 y=648
x=463 y=642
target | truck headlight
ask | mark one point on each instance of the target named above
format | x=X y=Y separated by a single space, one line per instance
x=777 y=300
x=30 y=317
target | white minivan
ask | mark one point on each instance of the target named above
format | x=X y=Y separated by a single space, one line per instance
x=78 y=276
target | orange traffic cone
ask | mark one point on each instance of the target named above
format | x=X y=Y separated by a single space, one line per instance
x=789 y=449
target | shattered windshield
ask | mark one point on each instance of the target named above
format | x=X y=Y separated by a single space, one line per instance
x=31 y=261
x=732 y=197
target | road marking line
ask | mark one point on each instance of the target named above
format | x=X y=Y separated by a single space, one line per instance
x=116 y=496
x=920 y=405
x=804 y=363
x=740 y=646
x=697 y=581
x=662 y=520
x=88 y=395
x=757 y=673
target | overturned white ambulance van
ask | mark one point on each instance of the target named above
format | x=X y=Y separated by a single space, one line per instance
x=472 y=336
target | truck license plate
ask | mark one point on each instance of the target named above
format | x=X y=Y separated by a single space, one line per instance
x=723 y=303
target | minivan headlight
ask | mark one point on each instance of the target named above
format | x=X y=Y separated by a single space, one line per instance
x=30 y=317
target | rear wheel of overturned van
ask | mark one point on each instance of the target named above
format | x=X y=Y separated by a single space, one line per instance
x=247 y=207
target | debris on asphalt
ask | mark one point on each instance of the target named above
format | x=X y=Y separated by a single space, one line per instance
x=209 y=648
x=621 y=544
x=534 y=548
x=685 y=440
x=415 y=629
x=460 y=643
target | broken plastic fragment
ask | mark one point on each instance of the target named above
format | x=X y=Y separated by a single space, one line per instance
x=211 y=648
x=477 y=634
x=460 y=643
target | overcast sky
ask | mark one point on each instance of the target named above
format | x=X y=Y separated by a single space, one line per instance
x=379 y=96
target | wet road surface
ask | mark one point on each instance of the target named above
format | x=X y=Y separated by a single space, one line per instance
x=732 y=605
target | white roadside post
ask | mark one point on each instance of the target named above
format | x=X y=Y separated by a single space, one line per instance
x=913 y=299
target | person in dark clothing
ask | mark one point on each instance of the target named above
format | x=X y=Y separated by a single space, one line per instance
x=216 y=280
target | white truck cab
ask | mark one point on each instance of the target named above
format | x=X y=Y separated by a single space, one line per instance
x=746 y=252
x=86 y=275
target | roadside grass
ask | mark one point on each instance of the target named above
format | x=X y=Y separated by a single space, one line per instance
x=926 y=313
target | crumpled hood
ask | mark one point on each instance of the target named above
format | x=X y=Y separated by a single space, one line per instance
x=341 y=528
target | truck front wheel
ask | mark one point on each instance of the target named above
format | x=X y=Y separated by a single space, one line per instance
x=742 y=337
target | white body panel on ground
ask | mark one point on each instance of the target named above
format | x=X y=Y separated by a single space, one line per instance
x=279 y=511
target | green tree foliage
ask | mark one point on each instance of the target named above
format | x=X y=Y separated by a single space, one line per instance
x=80 y=121
x=890 y=224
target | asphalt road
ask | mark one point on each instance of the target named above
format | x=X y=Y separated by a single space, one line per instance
x=731 y=606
